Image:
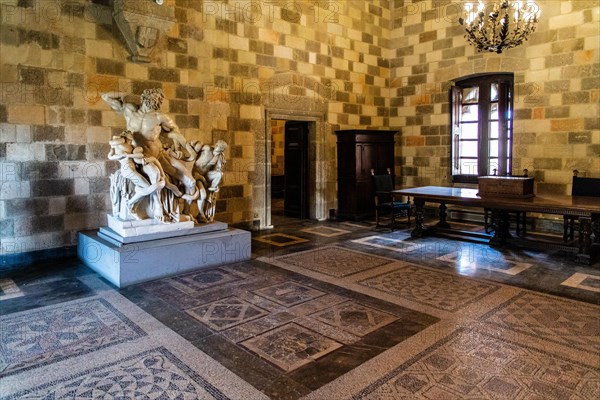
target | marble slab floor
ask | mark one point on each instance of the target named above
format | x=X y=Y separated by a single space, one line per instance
x=323 y=310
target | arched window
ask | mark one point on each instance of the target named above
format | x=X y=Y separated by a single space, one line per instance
x=482 y=129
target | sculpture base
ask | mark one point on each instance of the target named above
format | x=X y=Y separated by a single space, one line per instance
x=132 y=263
x=144 y=226
x=115 y=238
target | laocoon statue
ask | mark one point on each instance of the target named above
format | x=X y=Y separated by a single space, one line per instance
x=161 y=176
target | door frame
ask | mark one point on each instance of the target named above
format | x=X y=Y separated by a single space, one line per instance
x=316 y=132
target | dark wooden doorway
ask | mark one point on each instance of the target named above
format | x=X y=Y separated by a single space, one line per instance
x=296 y=169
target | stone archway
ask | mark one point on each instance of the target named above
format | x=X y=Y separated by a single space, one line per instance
x=293 y=97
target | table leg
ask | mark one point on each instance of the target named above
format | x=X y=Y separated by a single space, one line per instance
x=596 y=227
x=418 y=231
x=585 y=240
x=501 y=233
x=443 y=214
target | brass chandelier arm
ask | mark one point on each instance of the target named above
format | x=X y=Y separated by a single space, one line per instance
x=499 y=29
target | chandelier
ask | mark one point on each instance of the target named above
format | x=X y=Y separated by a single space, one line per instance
x=498 y=26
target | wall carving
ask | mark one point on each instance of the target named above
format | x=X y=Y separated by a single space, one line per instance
x=141 y=24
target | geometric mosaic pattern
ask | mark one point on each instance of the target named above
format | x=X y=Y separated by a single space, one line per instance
x=591 y=282
x=556 y=320
x=325 y=231
x=473 y=365
x=204 y=279
x=291 y=346
x=361 y=225
x=153 y=374
x=334 y=261
x=289 y=320
x=504 y=265
x=289 y=293
x=42 y=337
x=227 y=312
x=308 y=334
x=280 y=239
x=435 y=289
x=583 y=281
x=388 y=243
x=354 y=318
x=9 y=290
x=183 y=290
x=464 y=258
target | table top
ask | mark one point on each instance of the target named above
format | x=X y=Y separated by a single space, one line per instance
x=556 y=204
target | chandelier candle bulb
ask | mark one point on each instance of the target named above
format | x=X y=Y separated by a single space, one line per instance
x=490 y=28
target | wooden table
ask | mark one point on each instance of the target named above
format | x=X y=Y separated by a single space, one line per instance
x=587 y=209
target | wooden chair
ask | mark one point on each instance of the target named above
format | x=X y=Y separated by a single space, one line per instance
x=520 y=216
x=385 y=206
x=581 y=187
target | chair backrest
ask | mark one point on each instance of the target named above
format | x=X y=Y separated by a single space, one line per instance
x=585 y=187
x=383 y=183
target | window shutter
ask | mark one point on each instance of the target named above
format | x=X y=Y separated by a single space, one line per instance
x=456 y=101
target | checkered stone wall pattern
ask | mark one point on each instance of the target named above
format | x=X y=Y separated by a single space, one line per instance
x=367 y=64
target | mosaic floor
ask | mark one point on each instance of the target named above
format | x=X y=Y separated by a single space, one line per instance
x=333 y=310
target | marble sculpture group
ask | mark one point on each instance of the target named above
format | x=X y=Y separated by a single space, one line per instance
x=162 y=176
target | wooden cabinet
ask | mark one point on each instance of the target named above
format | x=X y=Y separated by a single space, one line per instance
x=359 y=151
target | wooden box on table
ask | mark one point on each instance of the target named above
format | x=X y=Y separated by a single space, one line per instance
x=506 y=186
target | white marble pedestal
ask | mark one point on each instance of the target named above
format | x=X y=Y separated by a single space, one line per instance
x=127 y=263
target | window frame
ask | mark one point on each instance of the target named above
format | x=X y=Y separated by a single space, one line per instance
x=505 y=82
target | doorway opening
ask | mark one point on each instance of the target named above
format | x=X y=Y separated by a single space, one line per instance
x=289 y=170
x=317 y=191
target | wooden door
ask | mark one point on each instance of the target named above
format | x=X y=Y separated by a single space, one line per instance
x=366 y=159
x=296 y=169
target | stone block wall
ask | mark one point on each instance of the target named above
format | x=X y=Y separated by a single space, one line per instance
x=223 y=66
x=229 y=67
x=557 y=89
x=277 y=148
